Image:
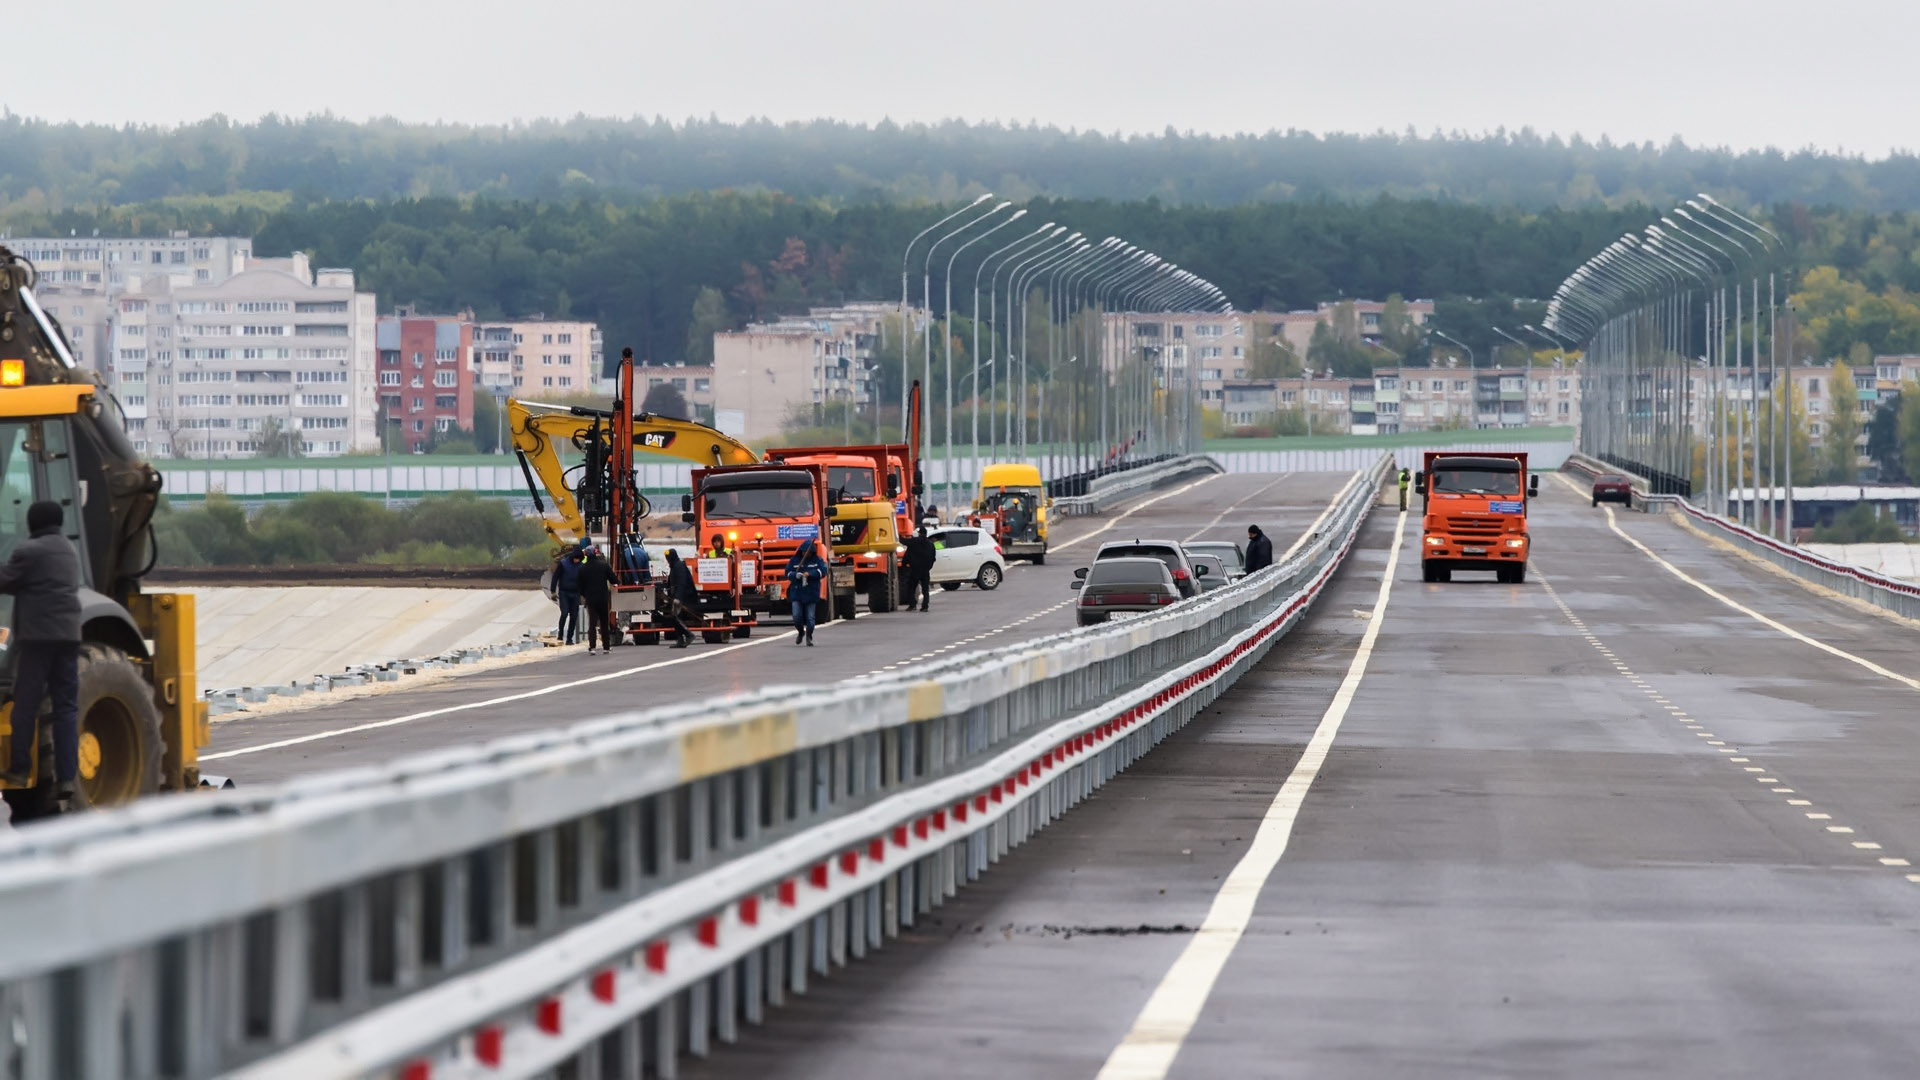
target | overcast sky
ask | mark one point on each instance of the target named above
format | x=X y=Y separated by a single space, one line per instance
x=1762 y=72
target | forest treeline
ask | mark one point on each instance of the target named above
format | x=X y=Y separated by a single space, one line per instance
x=49 y=167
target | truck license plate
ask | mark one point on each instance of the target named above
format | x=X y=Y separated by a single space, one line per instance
x=1473 y=551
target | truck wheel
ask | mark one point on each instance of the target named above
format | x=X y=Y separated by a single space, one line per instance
x=880 y=599
x=846 y=605
x=714 y=637
x=989 y=578
x=1040 y=559
x=742 y=633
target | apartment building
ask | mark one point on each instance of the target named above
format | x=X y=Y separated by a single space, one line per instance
x=762 y=372
x=694 y=382
x=209 y=370
x=1398 y=400
x=1214 y=348
x=426 y=377
x=531 y=357
x=81 y=277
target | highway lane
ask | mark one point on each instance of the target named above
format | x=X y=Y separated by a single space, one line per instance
x=572 y=686
x=1537 y=846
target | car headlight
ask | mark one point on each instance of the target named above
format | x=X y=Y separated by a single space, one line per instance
x=1435 y=541
x=1516 y=542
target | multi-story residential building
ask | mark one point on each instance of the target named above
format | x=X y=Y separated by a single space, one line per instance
x=531 y=357
x=1216 y=348
x=762 y=372
x=426 y=377
x=1398 y=400
x=695 y=384
x=209 y=370
x=80 y=278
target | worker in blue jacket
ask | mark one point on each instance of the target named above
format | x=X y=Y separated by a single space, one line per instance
x=805 y=571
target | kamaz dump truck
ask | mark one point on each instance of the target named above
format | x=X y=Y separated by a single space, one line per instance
x=1474 y=514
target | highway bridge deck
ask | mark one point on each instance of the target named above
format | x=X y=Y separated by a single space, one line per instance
x=571 y=686
x=1599 y=823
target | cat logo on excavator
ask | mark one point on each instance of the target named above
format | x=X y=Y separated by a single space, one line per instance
x=654 y=440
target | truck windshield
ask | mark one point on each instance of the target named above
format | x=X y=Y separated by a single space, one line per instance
x=1475 y=481
x=850 y=482
x=767 y=502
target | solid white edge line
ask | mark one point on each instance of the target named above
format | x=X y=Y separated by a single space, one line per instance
x=1614 y=524
x=1162 y=1027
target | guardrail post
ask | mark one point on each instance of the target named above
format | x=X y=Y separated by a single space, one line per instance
x=287 y=972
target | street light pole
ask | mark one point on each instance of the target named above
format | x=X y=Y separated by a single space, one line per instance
x=905 y=329
x=946 y=464
x=1025 y=243
x=924 y=450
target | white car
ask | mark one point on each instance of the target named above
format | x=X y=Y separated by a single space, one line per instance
x=966 y=554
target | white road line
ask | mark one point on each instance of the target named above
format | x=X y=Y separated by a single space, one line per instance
x=1614 y=524
x=1129 y=511
x=1164 y=1022
x=375 y=725
x=1235 y=506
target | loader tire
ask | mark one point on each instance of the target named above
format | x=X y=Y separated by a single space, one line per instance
x=121 y=743
x=846 y=605
x=880 y=597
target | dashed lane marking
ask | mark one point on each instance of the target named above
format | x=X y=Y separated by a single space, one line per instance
x=1163 y=1024
x=1129 y=511
x=1235 y=506
x=1720 y=746
x=1614 y=524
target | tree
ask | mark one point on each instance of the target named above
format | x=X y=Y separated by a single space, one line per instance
x=1883 y=439
x=1909 y=427
x=710 y=316
x=1272 y=358
x=1843 y=427
x=664 y=399
x=279 y=441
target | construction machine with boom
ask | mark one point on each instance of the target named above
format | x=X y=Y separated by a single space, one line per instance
x=63 y=439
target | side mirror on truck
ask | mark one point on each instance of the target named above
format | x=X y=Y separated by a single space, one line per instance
x=893 y=487
x=1419 y=483
x=1533 y=486
x=687 y=516
x=686 y=504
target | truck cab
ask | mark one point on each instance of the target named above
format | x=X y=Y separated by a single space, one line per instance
x=764 y=512
x=863 y=486
x=1012 y=503
x=1474 y=514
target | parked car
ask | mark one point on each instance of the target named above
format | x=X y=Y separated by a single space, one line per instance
x=1167 y=551
x=1228 y=552
x=1208 y=571
x=1612 y=487
x=966 y=554
x=1122 y=584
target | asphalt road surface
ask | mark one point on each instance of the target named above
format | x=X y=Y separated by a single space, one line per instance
x=572 y=686
x=1602 y=823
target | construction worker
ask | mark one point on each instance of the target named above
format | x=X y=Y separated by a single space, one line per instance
x=918 y=563
x=806 y=570
x=1259 y=550
x=43 y=575
x=719 y=549
x=596 y=591
x=566 y=592
x=682 y=598
x=1406 y=480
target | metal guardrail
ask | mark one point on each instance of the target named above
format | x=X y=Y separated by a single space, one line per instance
x=1892 y=594
x=1117 y=487
x=605 y=897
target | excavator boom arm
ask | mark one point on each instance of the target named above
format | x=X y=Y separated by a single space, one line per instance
x=540 y=430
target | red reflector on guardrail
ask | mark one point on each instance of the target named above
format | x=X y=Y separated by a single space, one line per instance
x=488 y=1043
x=603 y=986
x=547 y=1015
x=709 y=932
x=657 y=957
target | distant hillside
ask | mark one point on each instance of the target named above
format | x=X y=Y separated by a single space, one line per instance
x=51 y=167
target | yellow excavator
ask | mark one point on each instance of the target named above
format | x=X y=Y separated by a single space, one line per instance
x=62 y=438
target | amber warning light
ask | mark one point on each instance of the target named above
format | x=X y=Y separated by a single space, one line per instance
x=13 y=373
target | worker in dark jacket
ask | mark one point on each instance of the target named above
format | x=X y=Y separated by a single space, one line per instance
x=566 y=592
x=918 y=563
x=683 y=598
x=806 y=570
x=596 y=591
x=1259 y=549
x=43 y=576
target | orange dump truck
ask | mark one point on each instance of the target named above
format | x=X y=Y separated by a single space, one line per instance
x=1474 y=514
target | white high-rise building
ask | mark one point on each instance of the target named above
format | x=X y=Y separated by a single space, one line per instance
x=211 y=370
x=80 y=277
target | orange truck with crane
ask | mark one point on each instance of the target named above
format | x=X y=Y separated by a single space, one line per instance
x=1474 y=513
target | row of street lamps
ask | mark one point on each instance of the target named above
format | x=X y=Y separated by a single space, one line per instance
x=1076 y=275
x=1664 y=344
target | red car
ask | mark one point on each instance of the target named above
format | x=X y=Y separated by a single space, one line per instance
x=1612 y=487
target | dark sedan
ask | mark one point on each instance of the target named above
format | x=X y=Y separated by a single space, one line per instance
x=1612 y=487
x=1111 y=586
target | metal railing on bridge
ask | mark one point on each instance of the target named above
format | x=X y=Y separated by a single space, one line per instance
x=609 y=895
